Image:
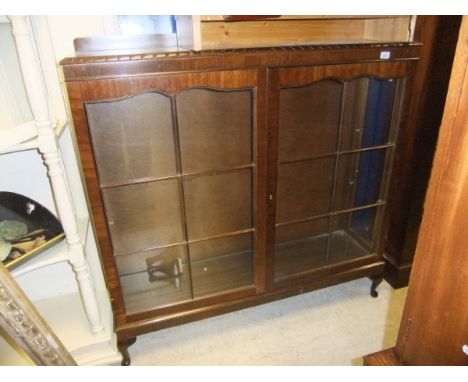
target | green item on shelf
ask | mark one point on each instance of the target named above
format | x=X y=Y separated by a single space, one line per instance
x=5 y=249
x=12 y=229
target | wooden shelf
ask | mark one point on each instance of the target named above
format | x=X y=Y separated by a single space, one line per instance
x=24 y=137
x=208 y=18
x=68 y=320
x=214 y=32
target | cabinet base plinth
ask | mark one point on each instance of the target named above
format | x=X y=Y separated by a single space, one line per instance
x=382 y=358
x=397 y=275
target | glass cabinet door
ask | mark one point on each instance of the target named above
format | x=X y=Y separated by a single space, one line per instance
x=335 y=135
x=177 y=171
x=217 y=165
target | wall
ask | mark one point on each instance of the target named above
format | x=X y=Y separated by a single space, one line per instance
x=64 y=29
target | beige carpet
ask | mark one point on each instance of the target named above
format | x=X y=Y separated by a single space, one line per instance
x=332 y=326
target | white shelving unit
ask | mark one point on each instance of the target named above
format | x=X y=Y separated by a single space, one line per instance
x=77 y=310
x=55 y=255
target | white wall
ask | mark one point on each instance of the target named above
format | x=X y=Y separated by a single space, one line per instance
x=14 y=107
x=64 y=29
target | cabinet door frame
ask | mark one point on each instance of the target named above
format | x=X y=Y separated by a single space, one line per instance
x=81 y=92
x=283 y=78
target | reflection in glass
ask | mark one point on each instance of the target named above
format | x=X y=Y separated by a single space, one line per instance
x=222 y=264
x=368 y=107
x=309 y=119
x=218 y=204
x=319 y=124
x=300 y=247
x=154 y=278
x=142 y=216
x=215 y=129
x=304 y=189
x=346 y=242
x=369 y=177
x=362 y=223
x=378 y=112
x=141 y=294
x=359 y=179
x=133 y=138
x=147 y=24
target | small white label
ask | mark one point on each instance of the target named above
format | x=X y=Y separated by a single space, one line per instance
x=384 y=55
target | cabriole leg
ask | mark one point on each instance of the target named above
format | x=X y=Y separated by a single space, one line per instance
x=376 y=280
x=123 y=346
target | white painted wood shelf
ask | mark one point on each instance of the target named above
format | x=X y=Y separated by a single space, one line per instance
x=54 y=255
x=65 y=314
x=24 y=137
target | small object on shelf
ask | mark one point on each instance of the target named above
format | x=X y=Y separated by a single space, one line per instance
x=162 y=269
x=12 y=229
x=26 y=229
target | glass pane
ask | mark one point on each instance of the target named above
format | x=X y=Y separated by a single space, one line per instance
x=142 y=216
x=218 y=204
x=304 y=189
x=154 y=260
x=300 y=247
x=215 y=129
x=359 y=179
x=346 y=242
x=154 y=278
x=148 y=24
x=309 y=118
x=133 y=138
x=220 y=247
x=222 y=264
x=367 y=113
x=362 y=224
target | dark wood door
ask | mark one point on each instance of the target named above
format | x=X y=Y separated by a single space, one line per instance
x=175 y=168
x=332 y=130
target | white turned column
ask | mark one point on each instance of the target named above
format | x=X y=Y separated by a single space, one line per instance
x=48 y=147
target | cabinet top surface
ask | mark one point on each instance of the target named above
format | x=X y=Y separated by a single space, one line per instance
x=103 y=64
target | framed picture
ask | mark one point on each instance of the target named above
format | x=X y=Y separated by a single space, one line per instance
x=26 y=229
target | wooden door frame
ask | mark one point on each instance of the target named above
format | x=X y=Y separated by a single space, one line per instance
x=434 y=327
x=98 y=90
x=284 y=78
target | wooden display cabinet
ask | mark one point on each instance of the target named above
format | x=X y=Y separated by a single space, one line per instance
x=220 y=180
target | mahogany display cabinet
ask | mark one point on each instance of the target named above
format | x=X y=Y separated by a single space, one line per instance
x=225 y=179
